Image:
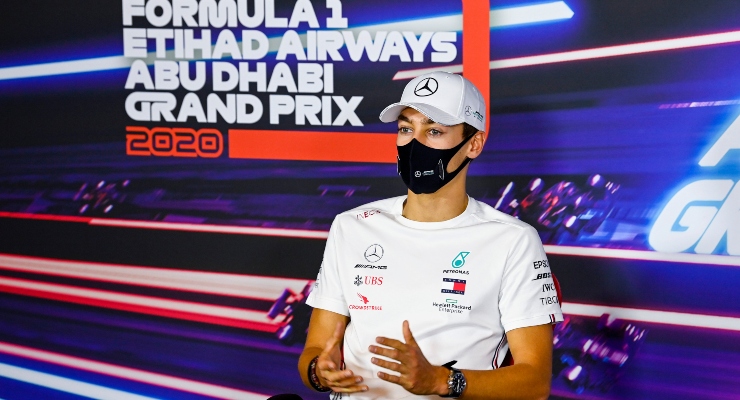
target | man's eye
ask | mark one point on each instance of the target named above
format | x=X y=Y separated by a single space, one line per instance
x=434 y=132
x=403 y=129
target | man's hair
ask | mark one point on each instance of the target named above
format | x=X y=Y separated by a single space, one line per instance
x=468 y=130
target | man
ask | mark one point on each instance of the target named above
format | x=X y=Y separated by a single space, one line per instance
x=424 y=294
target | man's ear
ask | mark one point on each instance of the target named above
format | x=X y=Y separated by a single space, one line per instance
x=476 y=144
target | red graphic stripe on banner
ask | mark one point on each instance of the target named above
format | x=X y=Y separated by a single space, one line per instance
x=210 y=314
x=314 y=146
x=45 y=217
x=476 y=47
x=224 y=284
x=366 y=147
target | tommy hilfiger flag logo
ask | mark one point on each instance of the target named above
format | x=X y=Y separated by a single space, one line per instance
x=455 y=286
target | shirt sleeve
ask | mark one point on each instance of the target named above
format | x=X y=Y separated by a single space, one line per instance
x=327 y=292
x=528 y=296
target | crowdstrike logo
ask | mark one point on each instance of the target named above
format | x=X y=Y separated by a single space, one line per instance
x=374 y=253
x=365 y=307
x=426 y=87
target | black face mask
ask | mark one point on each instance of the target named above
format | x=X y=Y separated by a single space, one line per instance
x=424 y=169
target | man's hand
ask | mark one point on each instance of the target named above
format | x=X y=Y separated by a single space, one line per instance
x=417 y=375
x=328 y=367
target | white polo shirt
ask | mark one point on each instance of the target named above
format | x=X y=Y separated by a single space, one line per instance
x=461 y=284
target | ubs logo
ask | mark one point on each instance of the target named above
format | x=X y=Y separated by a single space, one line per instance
x=374 y=253
x=368 y=280
x=426 y=87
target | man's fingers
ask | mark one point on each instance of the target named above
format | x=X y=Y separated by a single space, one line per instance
x=341 y=378
x=344 y=381
x=396 y=344
x=393 y=366
x=382 y=351
x=335 y=338
x=390 y=378
x=407 y=333
x=325 y=364
x=349 y=389
x=338 y=331
x=336 y=376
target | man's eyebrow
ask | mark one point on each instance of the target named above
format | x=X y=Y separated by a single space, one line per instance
x=425 y=121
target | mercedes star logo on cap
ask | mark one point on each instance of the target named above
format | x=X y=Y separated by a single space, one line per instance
x=426 y=87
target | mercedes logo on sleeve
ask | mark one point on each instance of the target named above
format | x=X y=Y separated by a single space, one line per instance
x=426 y=87
x=374 y=253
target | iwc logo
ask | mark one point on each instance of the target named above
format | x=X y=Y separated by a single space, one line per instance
x=426 y=87
x=374 y=253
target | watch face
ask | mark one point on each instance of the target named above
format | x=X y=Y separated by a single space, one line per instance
x=458 y=383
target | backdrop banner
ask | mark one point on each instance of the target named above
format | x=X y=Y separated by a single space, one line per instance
x=170 y=170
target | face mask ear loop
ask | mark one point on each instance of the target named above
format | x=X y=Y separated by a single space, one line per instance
x=455 y=172
x=443 y=168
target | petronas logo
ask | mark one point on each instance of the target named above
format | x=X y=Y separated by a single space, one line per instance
x=459 y=260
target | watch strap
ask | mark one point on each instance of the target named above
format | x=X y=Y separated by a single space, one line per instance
x=313 y=378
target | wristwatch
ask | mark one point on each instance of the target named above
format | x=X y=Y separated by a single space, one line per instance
x=455 y=382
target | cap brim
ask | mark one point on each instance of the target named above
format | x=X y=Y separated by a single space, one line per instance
x=392 y=112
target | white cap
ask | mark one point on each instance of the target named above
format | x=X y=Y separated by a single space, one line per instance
x=443 y=97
